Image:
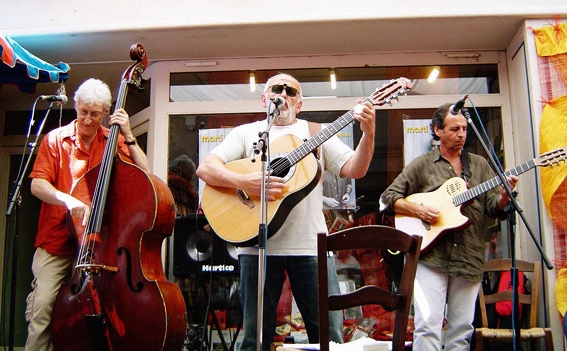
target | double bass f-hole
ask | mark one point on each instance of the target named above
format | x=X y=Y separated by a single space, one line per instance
x=128 y=259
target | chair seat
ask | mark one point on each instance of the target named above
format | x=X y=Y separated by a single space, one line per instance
x=507 y=335
x=528 y=298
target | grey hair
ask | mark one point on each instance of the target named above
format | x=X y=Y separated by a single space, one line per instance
x=94 y=91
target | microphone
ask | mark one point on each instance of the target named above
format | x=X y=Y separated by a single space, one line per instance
x=59 y=98
x=454 y=109
x=278 y=101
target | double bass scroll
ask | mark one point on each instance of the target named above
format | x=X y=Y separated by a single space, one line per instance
x=118 y=297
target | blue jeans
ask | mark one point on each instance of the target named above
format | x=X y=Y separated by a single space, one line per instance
x=302 y=273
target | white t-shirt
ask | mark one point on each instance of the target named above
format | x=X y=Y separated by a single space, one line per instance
x=298 y=234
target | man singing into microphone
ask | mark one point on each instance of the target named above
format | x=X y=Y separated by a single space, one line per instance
x=293 y=249
x=449 y=274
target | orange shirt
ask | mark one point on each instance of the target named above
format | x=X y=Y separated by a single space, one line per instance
x=62 y=161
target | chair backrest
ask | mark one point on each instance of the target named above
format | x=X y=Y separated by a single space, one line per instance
x=377 y=237
x=533 y=270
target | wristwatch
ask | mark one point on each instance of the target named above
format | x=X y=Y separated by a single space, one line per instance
x=130 y=143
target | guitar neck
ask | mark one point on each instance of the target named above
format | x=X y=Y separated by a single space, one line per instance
x=325 y=134
x=491 y=183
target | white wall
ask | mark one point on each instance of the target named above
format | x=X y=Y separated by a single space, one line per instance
x=61 y=16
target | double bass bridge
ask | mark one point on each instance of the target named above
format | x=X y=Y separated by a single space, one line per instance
x=93 y=268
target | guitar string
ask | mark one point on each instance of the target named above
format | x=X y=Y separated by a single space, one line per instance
x=304 y=149
x=491 y=183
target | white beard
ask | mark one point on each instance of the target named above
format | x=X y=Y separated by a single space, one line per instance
x=285 y=117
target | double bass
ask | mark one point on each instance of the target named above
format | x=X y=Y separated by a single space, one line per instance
x=118 y=297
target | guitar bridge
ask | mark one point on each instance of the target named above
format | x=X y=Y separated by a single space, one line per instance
x=244 y=198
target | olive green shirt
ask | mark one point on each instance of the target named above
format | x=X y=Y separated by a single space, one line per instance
x=458 y=253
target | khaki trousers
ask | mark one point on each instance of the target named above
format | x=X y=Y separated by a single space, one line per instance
x=49 y=271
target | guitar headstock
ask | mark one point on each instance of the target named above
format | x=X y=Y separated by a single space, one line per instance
x=551 y=157
x=390 y=91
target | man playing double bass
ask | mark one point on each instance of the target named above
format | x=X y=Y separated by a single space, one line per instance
x=66 y=154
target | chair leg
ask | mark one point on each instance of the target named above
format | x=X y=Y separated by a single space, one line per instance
x=548 y=340
x=479 y=341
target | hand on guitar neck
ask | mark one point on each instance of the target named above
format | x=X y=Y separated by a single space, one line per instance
x=433 y=213
x=430 y=214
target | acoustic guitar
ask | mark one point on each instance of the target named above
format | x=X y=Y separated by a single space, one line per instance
x=450 y=197
x=234 y=214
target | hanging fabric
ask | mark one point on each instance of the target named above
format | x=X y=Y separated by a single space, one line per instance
x=21 y=68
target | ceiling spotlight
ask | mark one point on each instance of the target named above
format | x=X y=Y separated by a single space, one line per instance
x=252 y=81
x=433 y=75
x=333 y=77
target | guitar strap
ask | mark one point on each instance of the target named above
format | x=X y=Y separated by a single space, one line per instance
x=466 y=175
x=315 y=128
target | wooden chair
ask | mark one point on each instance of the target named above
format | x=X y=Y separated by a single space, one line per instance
x=369 y=236
x=532 y=332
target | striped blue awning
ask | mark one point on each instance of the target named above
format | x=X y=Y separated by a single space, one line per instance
x=21 y=68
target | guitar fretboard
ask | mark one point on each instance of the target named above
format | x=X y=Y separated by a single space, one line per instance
x=475 y=191
x=384 y=95
x=325 y=134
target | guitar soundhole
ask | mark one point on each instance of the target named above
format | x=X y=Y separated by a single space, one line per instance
x=281 y=167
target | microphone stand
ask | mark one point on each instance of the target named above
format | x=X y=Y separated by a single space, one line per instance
x=515 y=207
x=15 y=199
x=260 y=148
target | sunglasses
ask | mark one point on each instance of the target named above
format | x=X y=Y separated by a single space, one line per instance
x=278 y=89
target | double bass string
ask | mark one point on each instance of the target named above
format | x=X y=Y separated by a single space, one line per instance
x=91 y=234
